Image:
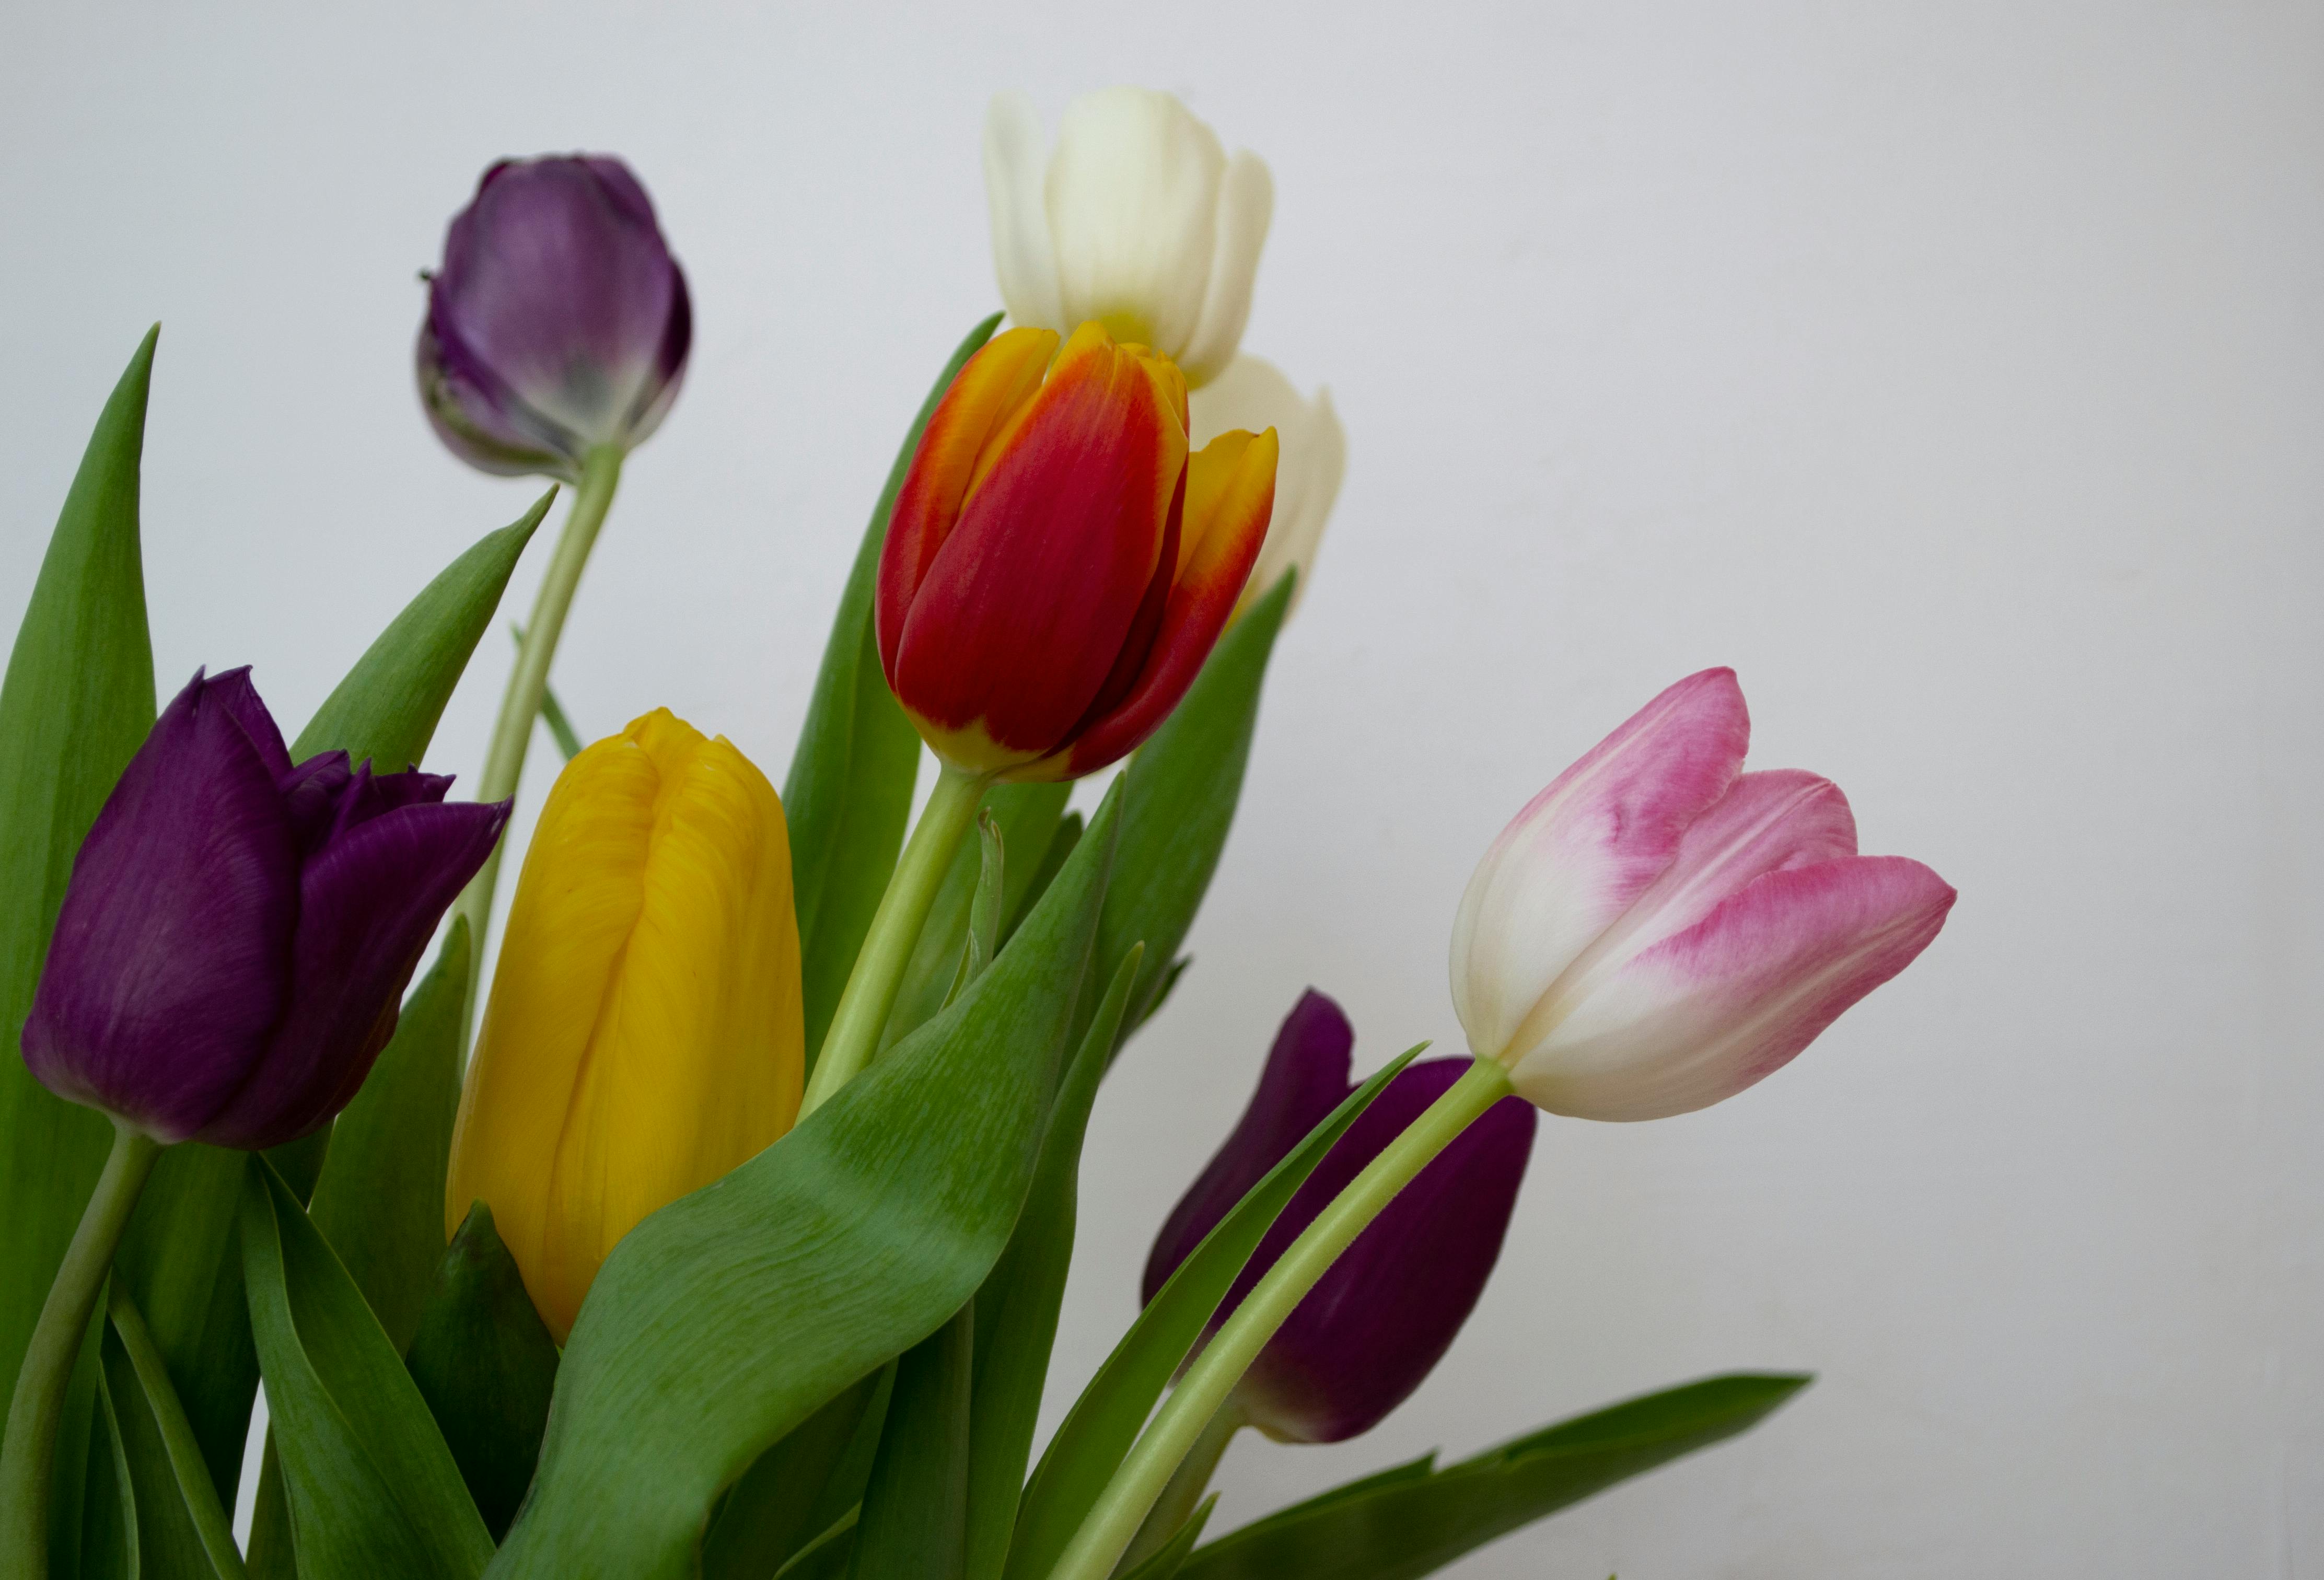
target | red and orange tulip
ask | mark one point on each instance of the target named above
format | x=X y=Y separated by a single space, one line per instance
x=1058 y=566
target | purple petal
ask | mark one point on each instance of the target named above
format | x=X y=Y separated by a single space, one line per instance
x=370 y=899
x=1384 y=1314
x=1305 y=1077
x=311 y=792
x=234 y=692
x=171 y=955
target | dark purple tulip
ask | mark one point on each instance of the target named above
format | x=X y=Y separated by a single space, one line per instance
x=1386 y=1312
x=238 y=931
x=558 y=323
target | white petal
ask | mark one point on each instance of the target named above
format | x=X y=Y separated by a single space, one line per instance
x=1246 y=205
x=1253 y=395
x=1132 y=197
x=1016 y=169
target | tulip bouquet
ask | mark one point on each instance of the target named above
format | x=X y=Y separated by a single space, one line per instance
x=721 y=1227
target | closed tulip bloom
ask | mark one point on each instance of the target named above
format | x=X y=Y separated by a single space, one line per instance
x=239 y=929
x=1137 y=220
x=1658 y=929
x=1057 y=566
x=558 y=323
x=1253 y=395
x=643 y=1035
x=1375 y=1324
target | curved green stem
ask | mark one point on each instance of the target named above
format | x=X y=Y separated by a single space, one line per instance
x=212 y=1526
x=601 y=474
x=1188 y=1482
x=1115 y=1517
x=871 y=992
x=28 y=1451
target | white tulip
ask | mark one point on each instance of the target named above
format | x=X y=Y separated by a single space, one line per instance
x=1253 y=395
x=1138 y=220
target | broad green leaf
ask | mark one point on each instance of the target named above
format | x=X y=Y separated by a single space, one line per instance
x=913 y=1519
x=1170 y=1557
x=1017 y=1309
x=728 y=1317
x=1414 y=1520
x=1183 y=784
x=800 y=1486
x=848 y=790
x=1105 y=1421
x=485 y=1364
x=371 y=1487
x=1026 y=818
x=176 y=1256
x=76 y=705
x=182 y=1528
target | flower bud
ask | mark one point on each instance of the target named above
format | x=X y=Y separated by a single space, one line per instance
x=644 y=1035
x=1138 y=220
x=1384 y=1314
x=1057 y=567
x=558 y=323
x=238 y=931
x=1253 y=395
x=1658 y=929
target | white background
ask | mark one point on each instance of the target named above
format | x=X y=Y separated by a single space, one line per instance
x=1952 y=371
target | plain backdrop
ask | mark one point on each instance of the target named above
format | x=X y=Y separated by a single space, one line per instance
x=1955 y=372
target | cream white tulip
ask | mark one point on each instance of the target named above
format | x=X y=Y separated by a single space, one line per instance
x=1252 y=395
x=1137 y=220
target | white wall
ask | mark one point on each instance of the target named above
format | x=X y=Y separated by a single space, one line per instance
x=1952 y=371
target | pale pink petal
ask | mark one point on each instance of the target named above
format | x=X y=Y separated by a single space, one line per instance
x=1583 y=851
x=1704 y=1013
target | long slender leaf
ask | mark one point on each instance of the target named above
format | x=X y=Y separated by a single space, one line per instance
x=827 y=1556
x=1183 y=784
x=800 y=1486
x=1414 y=1520
x=913 y=1521
x=182 y=1528
x=485 y=1364
x=849 y=786
x=77 y=702
x=371 y=1487
x=1170 y=1557
x=731 y=1315
x=1103 y=1423
x=1017 y=1309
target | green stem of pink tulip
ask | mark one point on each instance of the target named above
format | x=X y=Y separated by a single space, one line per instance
x=856 y=1026
x=29 y=1448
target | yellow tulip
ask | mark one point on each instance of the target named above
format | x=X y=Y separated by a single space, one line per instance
x=644 y=1034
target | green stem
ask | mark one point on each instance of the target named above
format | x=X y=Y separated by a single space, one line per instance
x=211 y=1525
x=871 y=992
x=1188 y=1482
x=1115 y=1517
x=601 y=474
x=28 y=1454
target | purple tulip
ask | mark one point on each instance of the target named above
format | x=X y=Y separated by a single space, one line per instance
x=238 y=931
x=1386 y=1311
x=558 y=324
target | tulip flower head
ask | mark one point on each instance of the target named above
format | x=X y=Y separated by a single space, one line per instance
x=558 y=323
x=1057 y=566
x=1377 y=1322
x=238 y=931
x=1138 y=220
x=1253 y=395
x=644 y=1034
x=1658 y=929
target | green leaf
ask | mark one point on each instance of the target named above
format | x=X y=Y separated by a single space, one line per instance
x=1414 y=1520
x=984 y=908
x=1103 y=1423
x=731 y=1315
x=1026 y=819
x=1170 y=1557
x=1017 y=1309
x=914 y=1520
x=1183 y=784
x=828 y=1556
x=800 y=1486
x=76 y=705
x=485 y=1363
x=1068 y=835
x=848 y=790
x=182 y=1528
x=371 y=1487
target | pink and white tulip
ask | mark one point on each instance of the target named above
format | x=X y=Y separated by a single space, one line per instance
x=1658 y=929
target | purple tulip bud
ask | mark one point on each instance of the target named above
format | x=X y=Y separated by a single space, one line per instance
x=558 y=323
x=1387 y=1309
x=238 y=931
